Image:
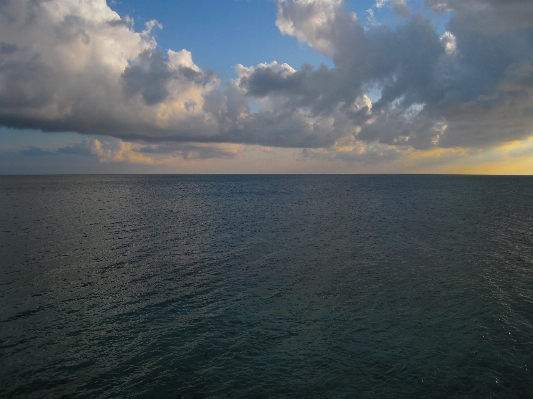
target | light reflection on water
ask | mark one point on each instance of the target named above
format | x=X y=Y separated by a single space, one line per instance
x=266 y=286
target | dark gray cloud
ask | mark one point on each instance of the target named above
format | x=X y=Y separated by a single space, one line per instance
x=400 y=8
x=148 y=77
x=118 y=22
x=25 y=83
x=151 y=74
x=8 y=49
x=400 y=62
x=319 y=90
x=32 y=151
x=469 y=88
x=83 y=148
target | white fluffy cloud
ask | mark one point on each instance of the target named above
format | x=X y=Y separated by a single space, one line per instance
x=76 y=65
x=314 y=22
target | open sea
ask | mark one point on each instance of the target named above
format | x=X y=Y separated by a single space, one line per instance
x=266 y=286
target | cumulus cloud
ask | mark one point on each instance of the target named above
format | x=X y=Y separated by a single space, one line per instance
x=315 y=22
x=78 y=66
x=472 y=85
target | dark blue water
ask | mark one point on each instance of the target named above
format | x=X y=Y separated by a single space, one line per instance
x=266 y=287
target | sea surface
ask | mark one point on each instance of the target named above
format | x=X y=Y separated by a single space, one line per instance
x=266 y=286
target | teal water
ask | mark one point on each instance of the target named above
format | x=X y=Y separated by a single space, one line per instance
x=266 y=287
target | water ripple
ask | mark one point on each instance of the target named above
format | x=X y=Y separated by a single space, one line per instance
x=266 y=286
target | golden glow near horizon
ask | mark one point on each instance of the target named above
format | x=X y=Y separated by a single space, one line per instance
x=509 y=158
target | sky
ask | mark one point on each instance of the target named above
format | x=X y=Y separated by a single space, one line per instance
x=266 y=86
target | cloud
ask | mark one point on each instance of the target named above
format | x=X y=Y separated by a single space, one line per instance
x=115 y=151
x=149 y=77
x=76 y=66
x=399 y=7
x=192 y=150
x=112 y=150
x=83 y=148
x=33 y=151
x=400 y=62
x=354 y=152
x=489 y=16
x=315 y=22
x=472 y=85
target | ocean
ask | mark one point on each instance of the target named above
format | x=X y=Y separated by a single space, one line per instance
x=266 y=286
